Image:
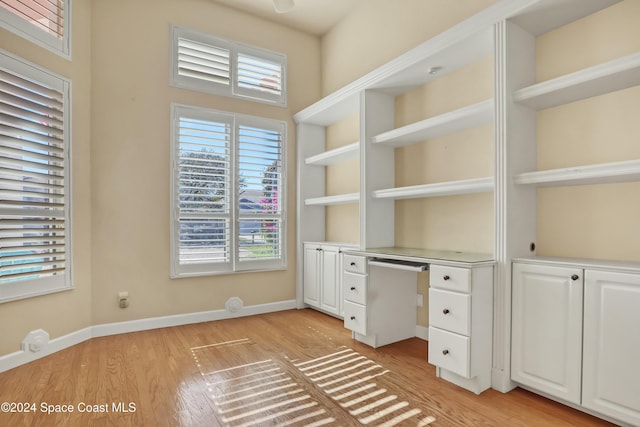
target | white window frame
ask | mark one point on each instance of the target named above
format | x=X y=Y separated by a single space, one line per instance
x=21 y=27
x=235 y=49
x=27 y=288
x=235 y=264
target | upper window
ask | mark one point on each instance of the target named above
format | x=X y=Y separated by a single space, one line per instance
x=210 y=64
x=227 y=193
x=34 y=180
x=45 y=22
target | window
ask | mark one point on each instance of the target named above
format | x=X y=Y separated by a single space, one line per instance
x=210 y=64
x=44 y=22
x=34 y=180
x=228 y=192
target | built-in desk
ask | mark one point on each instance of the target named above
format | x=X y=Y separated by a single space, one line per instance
x=379 y=289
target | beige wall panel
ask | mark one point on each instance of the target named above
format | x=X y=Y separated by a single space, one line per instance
x=609 y=34
x=343 y=223
x=592 y=221
x=380 y=30
x=457 y=223
x=65 y=312
x=131 y=171
x=598 y=221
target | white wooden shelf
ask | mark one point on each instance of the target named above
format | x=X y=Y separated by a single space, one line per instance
x=340 y=199
x=625 y=171
x=337 y=155
x=443 y=124
x=600 y=79
x=449 y=188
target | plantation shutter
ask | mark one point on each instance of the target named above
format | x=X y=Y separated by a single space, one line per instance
x=260 y=194
x=211 y=64
x=33 y=211
x=260 y=77
x=204 y=191
x=203 y=61
x=228 y=192
x=46 y=22
x=47 y=15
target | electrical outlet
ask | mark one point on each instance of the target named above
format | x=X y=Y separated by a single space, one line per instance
x=419 y=300
x=123 y=299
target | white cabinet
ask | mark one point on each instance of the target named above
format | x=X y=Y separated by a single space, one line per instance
x=576 y=333
x=322 y=277
x=611 y=379
x=547 y=329
x=460 y=324
x=379 y=300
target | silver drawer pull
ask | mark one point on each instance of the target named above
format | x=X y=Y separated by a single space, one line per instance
x=445 y=311
x=445 y=352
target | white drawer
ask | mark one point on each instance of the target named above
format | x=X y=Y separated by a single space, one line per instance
x=450 y=311
x=449 y=351
x=450 y=278
x=354 y=287
x=355 y=264
x=355 y=317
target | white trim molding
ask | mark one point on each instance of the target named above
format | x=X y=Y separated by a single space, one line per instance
x=18 y=358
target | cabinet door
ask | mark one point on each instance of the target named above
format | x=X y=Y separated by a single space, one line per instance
x=330 y=290
x=611 y=378
x=546 y=352
x=311 y=275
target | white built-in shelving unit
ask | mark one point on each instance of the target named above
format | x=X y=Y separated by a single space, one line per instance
x=506 y=30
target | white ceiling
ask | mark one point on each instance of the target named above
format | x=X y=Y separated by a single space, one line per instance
x=312 y=16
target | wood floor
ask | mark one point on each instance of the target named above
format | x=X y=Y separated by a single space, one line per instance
x=296 y=368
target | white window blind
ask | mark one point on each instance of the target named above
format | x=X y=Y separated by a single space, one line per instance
x=46 y=22
x=33 y=181
x=227 y=192
x=211 y=64
x=203 y=61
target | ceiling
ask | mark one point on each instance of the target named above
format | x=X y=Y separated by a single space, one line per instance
x=311 y=16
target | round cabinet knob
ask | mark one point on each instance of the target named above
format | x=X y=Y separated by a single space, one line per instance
x=353 y=288
x=446 y=277
x=445 y=311
x=575 y=277
x=445 y=352
x=353 y=317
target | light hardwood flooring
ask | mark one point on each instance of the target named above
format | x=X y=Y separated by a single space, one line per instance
x=297 y=367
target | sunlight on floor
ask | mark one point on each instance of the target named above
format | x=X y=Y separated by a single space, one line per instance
x=250 y=387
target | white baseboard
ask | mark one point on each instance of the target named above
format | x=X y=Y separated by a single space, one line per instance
x=422 y=332
x=13 y=360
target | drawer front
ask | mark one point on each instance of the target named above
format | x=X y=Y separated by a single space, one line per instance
x=449 y=351
x=355 y=317
x=354 y=287
x=355 y=264
x=450 y=278
x=450 y=311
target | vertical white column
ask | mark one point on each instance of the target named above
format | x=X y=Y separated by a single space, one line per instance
x=515 y=206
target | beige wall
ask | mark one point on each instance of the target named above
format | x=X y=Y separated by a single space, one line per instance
x=130 y=156
x=65 y=312
x=595 y=221
x=380 y=30
x=120 y=144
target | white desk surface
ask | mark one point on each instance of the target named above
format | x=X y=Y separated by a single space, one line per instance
x=426 y=255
